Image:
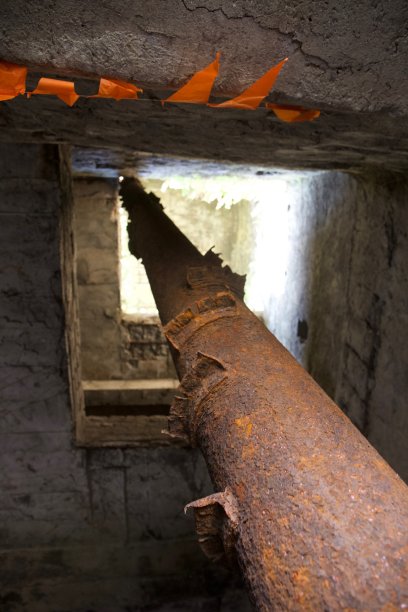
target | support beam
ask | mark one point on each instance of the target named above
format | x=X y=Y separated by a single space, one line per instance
x=315 y=517
x=346 y=55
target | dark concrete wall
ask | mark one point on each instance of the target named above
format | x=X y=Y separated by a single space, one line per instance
x=310 y=315
x=344 y=310
x=98 y=529
x=374 y=371
x=80 y=529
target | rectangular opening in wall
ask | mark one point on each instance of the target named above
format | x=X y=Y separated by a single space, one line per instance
x=129 y=380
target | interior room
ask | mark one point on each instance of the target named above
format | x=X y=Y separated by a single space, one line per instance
x=308 y=203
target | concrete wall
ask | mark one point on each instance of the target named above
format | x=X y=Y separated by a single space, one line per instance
x=344 y=311
x=374 y=382
x=79 y=529
x=146 y=353
x=339 y=51
x=309 y=315
x=228 y=231
x=97 y=269
x=104 y=529
x=113 y=346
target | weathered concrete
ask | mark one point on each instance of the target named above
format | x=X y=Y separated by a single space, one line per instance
x=145 y=352
x=375 y=358
x=70 y=506
x=309 y=314
x=130 y=130
x=80 y=530
x=97 y=271
x=347 y=59
x=343 y=312
x=349 y=56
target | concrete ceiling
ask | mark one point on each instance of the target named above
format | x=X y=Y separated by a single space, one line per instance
x=348 y=59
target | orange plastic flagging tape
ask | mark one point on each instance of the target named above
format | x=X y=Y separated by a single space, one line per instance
x=64 y=90
x=292 y=114
x=118 y=90
x=198 y=89
x=252 y=97
x=12 y=80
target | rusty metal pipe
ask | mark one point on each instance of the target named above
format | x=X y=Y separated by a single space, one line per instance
x=317 y=519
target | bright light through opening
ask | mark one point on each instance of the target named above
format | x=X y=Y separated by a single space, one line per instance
x=267 y=273
x=267 y=255
x=135 y=294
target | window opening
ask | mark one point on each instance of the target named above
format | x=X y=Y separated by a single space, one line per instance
x=243 y=219
x=259 y=225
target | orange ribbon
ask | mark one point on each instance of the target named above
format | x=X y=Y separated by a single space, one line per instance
x=293 y=114
x=118 y=90
x=253 y=96
x=64 y=90
x=12 y=80
x=198 y=89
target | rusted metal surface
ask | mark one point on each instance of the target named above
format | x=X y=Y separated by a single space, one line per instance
x=217 y=520
x=317 y=518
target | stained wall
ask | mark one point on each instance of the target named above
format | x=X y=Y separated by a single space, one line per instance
x=80 y=528
x=343 y=313
x=89 y=529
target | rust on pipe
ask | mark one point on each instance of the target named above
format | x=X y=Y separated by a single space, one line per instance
x=316 y=518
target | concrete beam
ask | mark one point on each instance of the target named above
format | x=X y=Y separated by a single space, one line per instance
x=135 y=130
x=343 y=56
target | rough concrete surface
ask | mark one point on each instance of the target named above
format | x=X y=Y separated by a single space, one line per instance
x=343 y=55
x=80 y=529
x=145 y=350
x=124 y=132
x=347 y=59
x=375 y=365
x=343 y=312
x=97 y=267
